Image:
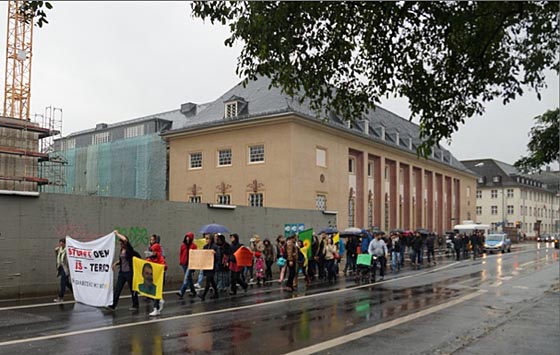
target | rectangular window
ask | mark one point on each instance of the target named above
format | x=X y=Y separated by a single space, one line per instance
x=223 y=199
x=195 y=160
x=231 y=109
x=370 y=170
x=510 y=209
x=530 y=211
x=224 y=157
x=351 y=165
x=256 y=200
x=351 y=203
x=494 y=209
x=195 y=199
x=509 y=193
x=321 y=157
x=321 y=202
x=478 y=210
x=69 y=144
x=478 y=193
x=100 y=138
x=256 y=153
x=494 y=194
x=134 y=131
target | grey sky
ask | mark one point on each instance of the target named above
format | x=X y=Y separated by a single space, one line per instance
x=113 y=61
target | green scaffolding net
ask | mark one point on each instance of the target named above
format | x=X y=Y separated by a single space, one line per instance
x=129 y=168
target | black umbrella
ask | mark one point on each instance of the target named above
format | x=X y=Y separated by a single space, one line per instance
x=330 y=230
x=422 y=231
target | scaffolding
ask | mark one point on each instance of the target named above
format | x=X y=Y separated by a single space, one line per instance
x=53 y=168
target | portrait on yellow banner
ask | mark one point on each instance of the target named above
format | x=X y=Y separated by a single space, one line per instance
x=148 y=278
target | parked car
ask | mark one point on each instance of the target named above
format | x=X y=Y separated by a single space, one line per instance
x=544 y=238
x=556 y=240
x=497 y=242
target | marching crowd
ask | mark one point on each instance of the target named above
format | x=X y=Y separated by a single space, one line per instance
x=289 y=254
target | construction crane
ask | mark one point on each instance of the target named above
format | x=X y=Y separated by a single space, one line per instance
x=19 y=44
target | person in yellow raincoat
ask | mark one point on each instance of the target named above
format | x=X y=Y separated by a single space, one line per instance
x=302 y=261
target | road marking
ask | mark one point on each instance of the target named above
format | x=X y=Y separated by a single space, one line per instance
x=380 y=327
x=529 y=263
x=173 y=292
x=225 y=310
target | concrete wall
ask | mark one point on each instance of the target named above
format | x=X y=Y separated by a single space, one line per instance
x=31 y=227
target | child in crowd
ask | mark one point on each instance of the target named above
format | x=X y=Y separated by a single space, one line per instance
x=259 y=266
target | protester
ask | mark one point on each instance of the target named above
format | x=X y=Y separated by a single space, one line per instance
x=417 y=245
x=303 y=262
x=62 y=270
x=155 y=255
x=282 y=254
x=235 y=270
x=209 y=274
x=351 y=254
x=430 y=245
x=320 y=256
x=291 y=251
x=269 y=258
x=378 y=248
x=330 y=250
x=126 y=267
x=312 y=263
x=223 y=254
x=188 y=245
x=395 y=252
x=259 y=268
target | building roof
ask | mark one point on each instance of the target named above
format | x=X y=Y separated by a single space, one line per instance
x=264 y=99
x=487 y=169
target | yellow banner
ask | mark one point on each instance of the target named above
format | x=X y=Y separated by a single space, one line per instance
x=148 y=278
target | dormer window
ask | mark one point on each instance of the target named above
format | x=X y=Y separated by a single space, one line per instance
x=235 y=106
x=496 y=179
x=231 y=109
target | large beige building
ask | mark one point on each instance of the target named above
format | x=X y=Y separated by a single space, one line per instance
x=255 y=146
x=505 y=196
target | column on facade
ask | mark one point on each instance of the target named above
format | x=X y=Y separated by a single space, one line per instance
x=458 y=201
x=405 y=200
x=439 y=213
x=449 y=204
x=418 y=202
x=358 y=195
x=429 y=200
x=393 y=195
x=378 y=190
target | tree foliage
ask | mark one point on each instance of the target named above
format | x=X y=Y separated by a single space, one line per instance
x=544 y=143
x=33 y=11
x=447 y=58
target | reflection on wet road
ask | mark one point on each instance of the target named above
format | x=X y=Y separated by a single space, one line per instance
x=265 y=320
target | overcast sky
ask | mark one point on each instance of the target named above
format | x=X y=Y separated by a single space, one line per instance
x=113 y=61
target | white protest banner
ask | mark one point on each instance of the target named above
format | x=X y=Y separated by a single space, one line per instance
x=90 y=270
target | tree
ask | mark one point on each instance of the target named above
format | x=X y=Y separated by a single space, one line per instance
x=447 y=58
x=544 y=144
x=33 y=11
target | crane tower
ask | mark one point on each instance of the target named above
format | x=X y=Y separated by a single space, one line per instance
x=19 y=43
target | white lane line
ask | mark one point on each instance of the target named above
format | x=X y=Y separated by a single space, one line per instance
x=225 y=310
x=173 y=292
x=529 y=263
x=380 y=327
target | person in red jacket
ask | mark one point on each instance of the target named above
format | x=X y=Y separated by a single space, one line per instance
x=187 y=245
x=156 y=256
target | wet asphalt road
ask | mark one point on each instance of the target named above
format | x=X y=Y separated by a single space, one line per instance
x=454 y=307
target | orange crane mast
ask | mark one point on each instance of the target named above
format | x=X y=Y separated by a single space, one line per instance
x=19 y=44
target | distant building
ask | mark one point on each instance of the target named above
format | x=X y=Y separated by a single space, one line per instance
x=126 y=159
x=256 y=146
x=505 y=196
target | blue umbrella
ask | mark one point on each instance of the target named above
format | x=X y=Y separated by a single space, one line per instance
x=330 y=230
x=213 y=228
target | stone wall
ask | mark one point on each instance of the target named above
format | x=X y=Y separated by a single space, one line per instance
x=30 y=228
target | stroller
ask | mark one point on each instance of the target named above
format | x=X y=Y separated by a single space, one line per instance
x=366 y=271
